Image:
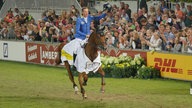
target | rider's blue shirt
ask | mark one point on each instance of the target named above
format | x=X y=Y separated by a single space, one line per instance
x=83 y=27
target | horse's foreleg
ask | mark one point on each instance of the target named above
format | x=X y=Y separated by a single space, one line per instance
x=102 y=73
x=85 y=79
x=71 y=76
x=81 y=75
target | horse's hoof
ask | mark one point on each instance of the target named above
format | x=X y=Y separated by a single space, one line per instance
x=84 y=96
x=76 y=89
x=102 y=91
x=84 y=83
x=76 y=92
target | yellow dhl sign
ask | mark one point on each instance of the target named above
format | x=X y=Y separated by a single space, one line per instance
x=171 y=65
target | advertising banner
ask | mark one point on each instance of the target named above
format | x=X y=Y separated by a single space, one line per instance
x=11 y=50
x=41 y=53
x=174 y=66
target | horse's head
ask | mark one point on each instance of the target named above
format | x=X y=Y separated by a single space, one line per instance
x=99 y=39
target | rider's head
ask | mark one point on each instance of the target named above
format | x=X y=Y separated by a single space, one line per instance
x=85 y=11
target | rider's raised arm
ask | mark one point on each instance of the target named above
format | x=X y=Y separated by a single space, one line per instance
x=99 y=17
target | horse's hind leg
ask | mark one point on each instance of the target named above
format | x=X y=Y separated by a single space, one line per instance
x=102 y=73
x=81 y=75
x=71 y=76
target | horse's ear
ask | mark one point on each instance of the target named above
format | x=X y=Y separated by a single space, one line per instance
x=100 y=31
x=101 y=28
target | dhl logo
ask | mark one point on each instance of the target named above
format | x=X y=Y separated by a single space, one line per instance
x=189 y=72
x=167 y=65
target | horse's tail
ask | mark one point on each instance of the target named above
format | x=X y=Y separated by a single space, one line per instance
x=58 y=58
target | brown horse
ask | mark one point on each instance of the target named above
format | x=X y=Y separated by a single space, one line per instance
x=96 y=41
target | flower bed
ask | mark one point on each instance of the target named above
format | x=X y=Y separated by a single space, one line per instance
x=126 y=67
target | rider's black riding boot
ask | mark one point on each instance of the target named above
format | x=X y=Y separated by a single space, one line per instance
x=74 y=57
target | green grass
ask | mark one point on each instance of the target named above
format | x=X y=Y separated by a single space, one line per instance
x=37 y=86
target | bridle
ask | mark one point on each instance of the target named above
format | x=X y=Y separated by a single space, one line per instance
x=98 y=43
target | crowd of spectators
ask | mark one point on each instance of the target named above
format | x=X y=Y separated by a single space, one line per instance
x=156 y=28
x=50 y=28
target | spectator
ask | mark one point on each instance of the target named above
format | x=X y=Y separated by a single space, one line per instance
x=155 y=42
x=74 y=10
x=144 y=12
x=4 y=30
x=135 y=41
x=29 y=32
x=163 y=6
x=143 y=4
x=9 y=17
x=27 y=17
x=146 y=38
x=121 y=44
x=127 y=10
x=24 y=36
x=17 y=12
x=141 y=16
x=110 y=39
x=179 y=14
x=152 y=11
x=122 y=6
x=177 y=44
x=158 y=16
x=188 y=43
x=188 y=19
x=143 y=22
x=124 y=15
x=183 y=8
x=43 y=29
x=137 y=26
x=169 y=38
x=51 y=35
x=116 y=36
x=18 y=34
x=32 y=22
x=166 y=20
x=116 y=19
x=36 y=34
x=135 y=17
x=151 y=24
x=11 y=34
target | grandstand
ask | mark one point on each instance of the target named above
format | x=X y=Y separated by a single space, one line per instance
x=36 y=7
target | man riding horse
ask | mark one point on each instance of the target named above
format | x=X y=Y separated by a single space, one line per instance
x=69 y=51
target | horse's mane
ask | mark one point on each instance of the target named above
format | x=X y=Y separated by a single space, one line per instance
x=93 y=34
